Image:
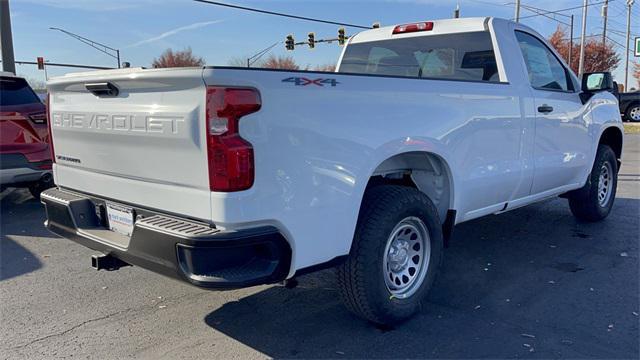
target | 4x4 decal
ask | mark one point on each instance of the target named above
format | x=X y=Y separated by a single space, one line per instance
x=302 y=81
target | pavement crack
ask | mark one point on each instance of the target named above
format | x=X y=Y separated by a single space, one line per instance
x=66 y=331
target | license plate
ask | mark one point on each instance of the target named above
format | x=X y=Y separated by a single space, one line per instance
x=120 y=219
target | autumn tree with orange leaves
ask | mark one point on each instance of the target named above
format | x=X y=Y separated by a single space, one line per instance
x=597 y=56
x=184 y=58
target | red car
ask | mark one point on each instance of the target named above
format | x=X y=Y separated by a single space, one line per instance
x=25 y=159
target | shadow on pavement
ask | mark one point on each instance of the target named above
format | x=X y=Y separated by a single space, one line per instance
x=20 y=214
x=15 y=260
x=533 y=282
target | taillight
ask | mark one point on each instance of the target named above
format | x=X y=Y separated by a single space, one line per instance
x=40 y=118
x=231 y=164
x=415 y=27
x=48 y=117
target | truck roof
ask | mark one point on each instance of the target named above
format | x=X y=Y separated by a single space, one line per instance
x=443 y=26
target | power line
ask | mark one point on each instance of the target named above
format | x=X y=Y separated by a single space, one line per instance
x=529 y=7
x=537 y=11
x=625 y=25
x=621 y=33
x=281 y=14
x=65 y=65
x=489 y=3
x=617 y=43
x=567 y=9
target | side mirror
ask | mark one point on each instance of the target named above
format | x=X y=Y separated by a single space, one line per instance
x=597 y=81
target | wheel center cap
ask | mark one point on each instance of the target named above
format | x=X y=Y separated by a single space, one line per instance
x=399 y=255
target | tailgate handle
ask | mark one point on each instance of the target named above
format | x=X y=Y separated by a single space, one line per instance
x=102 y=89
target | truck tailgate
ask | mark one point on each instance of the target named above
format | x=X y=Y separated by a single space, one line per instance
x=146 y=145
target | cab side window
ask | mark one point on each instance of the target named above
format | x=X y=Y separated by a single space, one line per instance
x=546 y=72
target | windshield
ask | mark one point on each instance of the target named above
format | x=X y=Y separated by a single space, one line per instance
x=16 y=91
x=464 y=56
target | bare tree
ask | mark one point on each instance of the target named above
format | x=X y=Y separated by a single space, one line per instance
x=280 y=62
x=36 y=84
x=184 y=58
x=238 y=61
x=325 y=67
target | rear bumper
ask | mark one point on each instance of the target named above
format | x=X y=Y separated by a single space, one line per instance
x=183 y=249
x=16 y=170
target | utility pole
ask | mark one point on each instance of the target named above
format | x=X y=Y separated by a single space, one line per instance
x=6 y=41
x=456 y=12
x=626 y=53
x=582 y=38
x=571 y=42
x=517 y=17
x=605 y=13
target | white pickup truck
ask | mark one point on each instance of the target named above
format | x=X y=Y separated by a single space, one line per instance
x=230 y=177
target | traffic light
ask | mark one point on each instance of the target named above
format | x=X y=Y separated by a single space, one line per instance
x=341 y=37
x=290 y=44
x=40 y=61
x=312 y=40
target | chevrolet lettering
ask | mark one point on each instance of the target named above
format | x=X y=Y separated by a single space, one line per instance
x=116 y=122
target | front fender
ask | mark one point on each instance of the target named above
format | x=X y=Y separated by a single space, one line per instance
x=602 y=114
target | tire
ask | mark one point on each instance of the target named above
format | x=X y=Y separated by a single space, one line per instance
x=389 y=218
x=633 y=112
x=37 y=188
x=594 y=201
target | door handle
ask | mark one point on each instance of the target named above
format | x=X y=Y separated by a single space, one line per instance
x=545 y=109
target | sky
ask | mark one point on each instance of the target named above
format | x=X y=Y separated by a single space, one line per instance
x=143 y=29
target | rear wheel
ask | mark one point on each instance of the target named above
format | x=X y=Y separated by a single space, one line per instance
x=37 y=188
x=594 y=201
x=394 y=257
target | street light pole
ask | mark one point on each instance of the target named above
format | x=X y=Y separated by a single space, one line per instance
x=626 y=53
x=251 y=60
x=94 y=44
x=6 y=39
x=582 y=39
x=517 y=17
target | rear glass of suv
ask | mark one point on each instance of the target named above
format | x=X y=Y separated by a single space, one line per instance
x=464 y=56
x=16 y=91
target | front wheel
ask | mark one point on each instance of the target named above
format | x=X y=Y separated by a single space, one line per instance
x=633 y=112
x=594 y=201
x=394 y=257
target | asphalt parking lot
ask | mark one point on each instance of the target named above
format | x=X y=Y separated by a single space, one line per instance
x=531 y=283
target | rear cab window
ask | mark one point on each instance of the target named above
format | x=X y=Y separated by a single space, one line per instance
x=16 y=91
x=461 y=56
